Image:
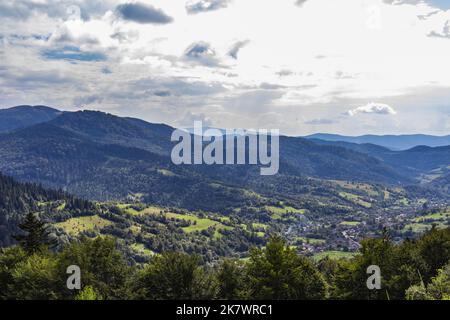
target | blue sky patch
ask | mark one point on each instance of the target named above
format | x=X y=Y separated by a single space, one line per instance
x=73 y=53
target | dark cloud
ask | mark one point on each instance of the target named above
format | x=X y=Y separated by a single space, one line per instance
x=162 y=93
x=106 y=70
x=142 y=13
x=126 y=36
x=197 y=6
x=300 y=2
x=234 y=50
x=202 y=53
x=284 y=73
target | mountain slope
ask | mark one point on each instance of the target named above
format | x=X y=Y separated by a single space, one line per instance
x=17 y=199
x=105 y=157
x=25 y=116
x=400 y=142
x=412 y=162
x=109 y=129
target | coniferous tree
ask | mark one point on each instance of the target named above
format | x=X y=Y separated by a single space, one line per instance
x=36 y=237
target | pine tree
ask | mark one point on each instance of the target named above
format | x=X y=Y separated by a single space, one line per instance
x=36 y=237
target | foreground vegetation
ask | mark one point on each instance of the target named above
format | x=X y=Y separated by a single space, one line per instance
x=414 y=269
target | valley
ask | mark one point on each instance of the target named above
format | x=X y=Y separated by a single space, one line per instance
x=327 y=197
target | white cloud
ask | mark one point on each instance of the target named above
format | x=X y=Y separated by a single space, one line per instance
x=196 y=63
x=375 y=108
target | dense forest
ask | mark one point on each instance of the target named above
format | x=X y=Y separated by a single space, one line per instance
x=414 y=269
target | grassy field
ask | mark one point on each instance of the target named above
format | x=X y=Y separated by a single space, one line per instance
x=149 y=210
x=350 y=223
x=278 y=212
x=75 y=226
x=311 y=240
x=367 y=188
x=197 y=224
x=355 y=199
x=141 y=249
x=441 y=216
x=422 y=227
x=335 y=255
x=166 y=173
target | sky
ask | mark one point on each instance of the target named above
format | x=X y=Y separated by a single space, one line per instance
x=302 y=66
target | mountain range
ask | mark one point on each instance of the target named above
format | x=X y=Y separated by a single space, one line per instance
x=100 y=156
x=393 y=142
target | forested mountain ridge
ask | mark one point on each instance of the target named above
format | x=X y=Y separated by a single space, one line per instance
x=17 y=199
x=103 y=157
x=88 y=151
x=413 y=162
x=393 y=142
x=25 y=116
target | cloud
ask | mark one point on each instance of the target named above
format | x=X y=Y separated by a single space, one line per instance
x=284 y=73
x=320 y=121
x=198 y=6
x=202 y=53
x=300 y=2
x=189 y=118
x=165 y=87
x=65 y=9
x=442 y=4
x=233 y=52
x=87 y=100
x=142 y=13
x=375 y=108
x=445 y=32
x=162 y=93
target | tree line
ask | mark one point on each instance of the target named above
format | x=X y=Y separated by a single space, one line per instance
x=414 y=269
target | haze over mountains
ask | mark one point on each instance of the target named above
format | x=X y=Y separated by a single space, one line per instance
x=102 y=156
x=393 y=142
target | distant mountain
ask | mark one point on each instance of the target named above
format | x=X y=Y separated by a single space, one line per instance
x=109 y=129
x=411 y=162
x=101 y=156
x=400 y=142
x=25 y=116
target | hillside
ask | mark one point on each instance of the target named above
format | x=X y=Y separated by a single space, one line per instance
x=414 y=162
x=398 y=142
x=25 y=116
x=17 y=199
x=104 y=157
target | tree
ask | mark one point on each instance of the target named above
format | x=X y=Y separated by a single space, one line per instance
x=35 y=278
x=174 y=276
x=102 y=267
x=438 y=289
x=277 y=272
x=230 y=277
x=88 y=293
x=434 y=248
x=36 y=237
x=9 y=259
